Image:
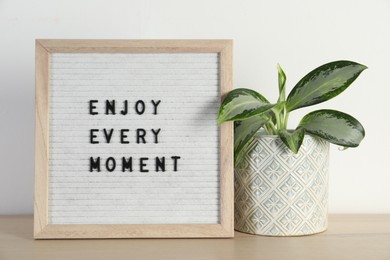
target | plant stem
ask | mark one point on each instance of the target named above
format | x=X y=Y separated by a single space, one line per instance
x=278 y=123
x=282 y=125
x=273 y=128
x=283 y=118
x=286 y=115
x=267 y=129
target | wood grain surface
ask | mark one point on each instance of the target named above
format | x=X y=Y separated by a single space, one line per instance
x=365 y=237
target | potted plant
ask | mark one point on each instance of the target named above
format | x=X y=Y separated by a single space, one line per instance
x=281 y=175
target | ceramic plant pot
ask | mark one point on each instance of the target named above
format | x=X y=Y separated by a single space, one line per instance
x=279 y=193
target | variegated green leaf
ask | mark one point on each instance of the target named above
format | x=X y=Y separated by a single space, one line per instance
x=244 y=131
x=282 y=84
x=323 y=83
x=238 y=157
x=242 y=103
x=292 y=139
x=334 y=126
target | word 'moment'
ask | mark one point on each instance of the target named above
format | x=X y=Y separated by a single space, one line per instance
x=127 y=164
x=105 y=135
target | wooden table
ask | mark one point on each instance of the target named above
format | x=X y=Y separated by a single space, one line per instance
x=348 y=237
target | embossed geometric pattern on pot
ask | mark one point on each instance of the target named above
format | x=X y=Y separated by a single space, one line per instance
x=279 y=193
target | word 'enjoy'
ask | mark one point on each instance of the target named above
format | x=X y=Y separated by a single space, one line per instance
x=111 y=108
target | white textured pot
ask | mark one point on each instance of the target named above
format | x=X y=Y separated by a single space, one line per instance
x=279 y=193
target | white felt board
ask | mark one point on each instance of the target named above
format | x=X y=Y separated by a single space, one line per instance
x=187 y=85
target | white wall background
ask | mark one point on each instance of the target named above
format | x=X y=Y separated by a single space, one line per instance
x=300 y=35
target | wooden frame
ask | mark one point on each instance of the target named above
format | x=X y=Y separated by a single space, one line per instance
x=42 y=228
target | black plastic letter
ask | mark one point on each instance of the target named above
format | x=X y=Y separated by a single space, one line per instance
x=124 y=136
x=142 y=164
x=155 y=104
x=94 y=164
x=110 y=107
x=156 y=132
x=137 y=109
x=108 y=135
x=160 y=164
x=124 y=111
x=92 y=136
x=141 y=135
x=92 y=107
x=127 y=164
x=175 y=158
x=111 y=167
